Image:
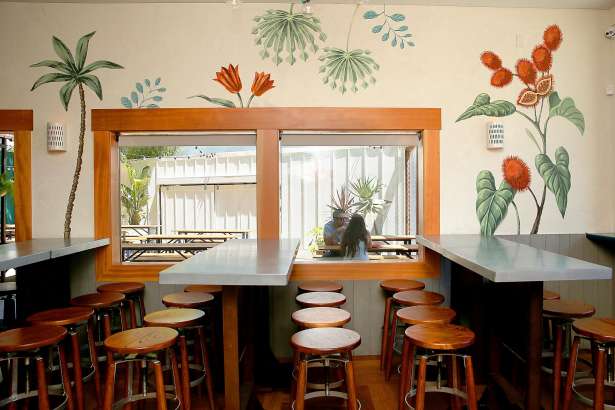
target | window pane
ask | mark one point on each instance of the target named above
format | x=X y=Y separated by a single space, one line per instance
x=7 y=201
x=180 y=200
x=329 y=191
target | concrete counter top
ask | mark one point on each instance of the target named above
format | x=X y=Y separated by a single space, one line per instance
x=501 y=260
x=241 y=262
x=16 y=254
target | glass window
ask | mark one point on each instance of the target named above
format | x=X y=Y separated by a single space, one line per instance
x=181 y=199
x=350 y=196
x=7 y=201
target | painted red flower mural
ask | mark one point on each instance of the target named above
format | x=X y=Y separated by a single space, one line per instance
x=538 y=104
x=229 y=78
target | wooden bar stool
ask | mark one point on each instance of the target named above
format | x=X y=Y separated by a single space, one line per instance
x=391 y=287
x=560 y=315
x=309 y=318
x=550 y=295
x=439 y=341
x=75 y=319
x=213 y=289
x=134 y=292
x=400 y=299
x=188 y=322
x=319 y=286
x=27 y=345
x=320 y=299
x=600 y=332
x=325 y=341
x=107 y=306
x=194 y=300
x=136 y=346
x=319 y=317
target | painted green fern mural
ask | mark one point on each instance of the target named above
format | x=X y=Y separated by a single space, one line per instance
x=296 y=33
x=345 y=69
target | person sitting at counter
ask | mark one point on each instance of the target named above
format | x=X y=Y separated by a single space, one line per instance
x=334 y=229
x=356 y=239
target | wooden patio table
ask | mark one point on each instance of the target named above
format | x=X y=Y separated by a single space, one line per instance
x=189 y=238
x=231 y=232
x=236 y=264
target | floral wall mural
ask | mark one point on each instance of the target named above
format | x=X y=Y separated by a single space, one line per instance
x=277 y=31
x=387 y=25
x=280 y=34
x=229 y=78
x=74 y=73
x=147 y=94
x=538 y=104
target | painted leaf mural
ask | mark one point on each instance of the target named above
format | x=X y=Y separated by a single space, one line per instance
x=537 y=79
x=388 y=29
x=74 y=72
x=556 y=176
x=567 y=109
x=491 y=203
x=285 y=35
x=147 y=94
x=346 y=70
x=483 y=106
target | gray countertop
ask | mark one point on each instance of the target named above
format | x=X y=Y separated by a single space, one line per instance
x=501 y=260
x=242 y=262
x=16 y=254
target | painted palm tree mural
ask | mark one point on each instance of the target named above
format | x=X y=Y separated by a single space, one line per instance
x=538 y=103
x=74 y=73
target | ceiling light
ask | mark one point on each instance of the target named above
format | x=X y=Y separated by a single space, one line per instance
x=307 y=6
x=234 y=3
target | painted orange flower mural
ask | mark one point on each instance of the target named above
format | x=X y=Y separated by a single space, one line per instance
x=538 y=104
x=229 y=78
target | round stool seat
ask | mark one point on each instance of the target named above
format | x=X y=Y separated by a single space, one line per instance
x=321 y=299
x=141 y=340
x=30 y=338
x=213 y=289
x=320 y=286
x=440 y=337
x=127 y=288
x=325 y=340
x=549 y=295
x=321 y=317
x=187 y=299
x=599 y=328
x=418 y=297
x=415 y=315
x=572 y=309
x=98 y=300
x=175 y=318
x=62 y=316
x=400 y=285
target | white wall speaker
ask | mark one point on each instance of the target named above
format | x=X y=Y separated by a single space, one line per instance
x=495 y=135
x=56 y=137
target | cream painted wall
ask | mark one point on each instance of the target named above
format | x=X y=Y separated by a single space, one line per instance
x=186 y=43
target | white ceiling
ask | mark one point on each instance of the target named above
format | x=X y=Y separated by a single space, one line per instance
x=554 y=4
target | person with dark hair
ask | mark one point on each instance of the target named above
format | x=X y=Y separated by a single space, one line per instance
x=356 y=239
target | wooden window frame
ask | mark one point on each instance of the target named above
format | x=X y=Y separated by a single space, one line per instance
x=20 y=123
x=107 y=124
